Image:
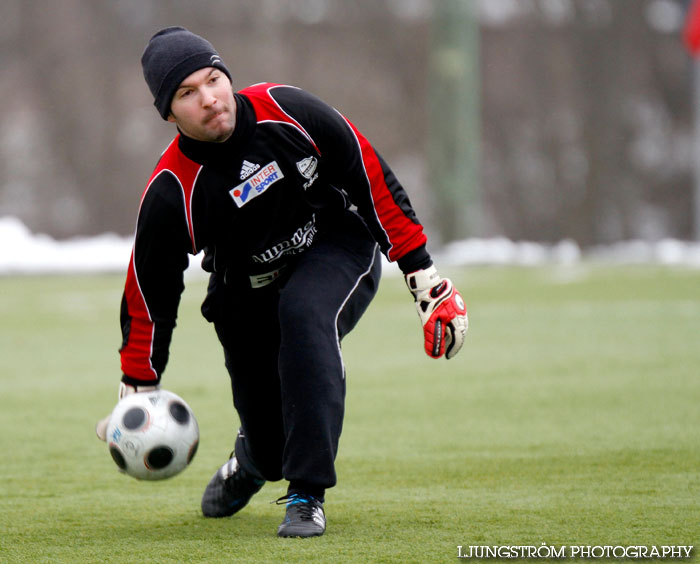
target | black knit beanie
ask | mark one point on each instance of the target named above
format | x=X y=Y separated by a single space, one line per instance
x=172 y=55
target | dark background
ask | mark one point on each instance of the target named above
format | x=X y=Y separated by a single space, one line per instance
x=581 y=110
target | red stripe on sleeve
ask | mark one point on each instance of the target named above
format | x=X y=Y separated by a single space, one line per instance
x=403 y=234
x=136 y=353
x=186 y=172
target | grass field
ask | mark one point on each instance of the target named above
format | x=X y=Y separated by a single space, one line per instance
x=572 y=417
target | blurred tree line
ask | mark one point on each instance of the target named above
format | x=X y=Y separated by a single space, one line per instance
x=585 y=114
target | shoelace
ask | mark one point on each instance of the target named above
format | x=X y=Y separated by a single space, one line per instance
x=305 y=505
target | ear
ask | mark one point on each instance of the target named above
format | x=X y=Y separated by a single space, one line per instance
x=171 y=117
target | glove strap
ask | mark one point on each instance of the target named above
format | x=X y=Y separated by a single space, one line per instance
x=422 y=280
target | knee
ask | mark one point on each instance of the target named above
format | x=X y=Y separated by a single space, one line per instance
x=306 y=313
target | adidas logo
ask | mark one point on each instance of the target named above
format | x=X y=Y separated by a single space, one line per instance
x=248 y=168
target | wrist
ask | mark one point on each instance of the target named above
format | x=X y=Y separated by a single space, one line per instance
x=139 y=382
x=417 y=259
x=128 y=389
x=422 y=280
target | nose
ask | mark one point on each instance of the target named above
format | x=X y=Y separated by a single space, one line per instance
x=208 y=99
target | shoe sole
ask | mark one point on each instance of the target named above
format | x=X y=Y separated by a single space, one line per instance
x=299 y=536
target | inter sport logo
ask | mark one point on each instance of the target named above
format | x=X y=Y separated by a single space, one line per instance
x=256 y=185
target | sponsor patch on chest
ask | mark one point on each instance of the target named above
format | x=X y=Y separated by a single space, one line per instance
x=256 y=184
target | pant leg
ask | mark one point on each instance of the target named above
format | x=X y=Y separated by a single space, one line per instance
x=282 y=350
x=330 y=288
x=246 y=323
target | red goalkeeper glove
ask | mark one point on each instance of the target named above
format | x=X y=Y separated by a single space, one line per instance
x=441 y=310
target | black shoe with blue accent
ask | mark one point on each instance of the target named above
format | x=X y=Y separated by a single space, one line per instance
x=304 y=517
x=229 y=490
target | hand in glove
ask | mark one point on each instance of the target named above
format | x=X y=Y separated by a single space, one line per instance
x=441 y=310
x=124 y=390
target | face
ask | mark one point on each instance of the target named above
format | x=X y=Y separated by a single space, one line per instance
x=203 y=106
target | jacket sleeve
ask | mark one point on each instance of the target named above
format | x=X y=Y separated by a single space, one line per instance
x=355 y=167
x=154 y=281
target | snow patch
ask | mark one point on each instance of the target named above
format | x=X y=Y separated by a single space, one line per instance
x=22 y=252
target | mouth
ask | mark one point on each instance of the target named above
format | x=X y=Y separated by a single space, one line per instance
x=211 y=117
x=214 y=116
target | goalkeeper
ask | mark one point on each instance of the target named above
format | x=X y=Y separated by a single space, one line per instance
x=291 y=206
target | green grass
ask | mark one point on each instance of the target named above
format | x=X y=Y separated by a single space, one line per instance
x=572 y=417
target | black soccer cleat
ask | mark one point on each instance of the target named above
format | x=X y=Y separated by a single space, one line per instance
x=229 y=490
x=304 y=517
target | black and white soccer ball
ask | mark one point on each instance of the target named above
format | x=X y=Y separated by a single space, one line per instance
x=152 y=435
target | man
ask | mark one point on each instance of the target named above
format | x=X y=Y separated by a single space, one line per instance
x=291 y=206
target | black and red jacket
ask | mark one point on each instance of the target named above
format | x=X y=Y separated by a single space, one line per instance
x=252 y=203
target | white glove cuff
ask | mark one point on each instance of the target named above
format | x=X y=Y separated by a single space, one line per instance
x=128 y=389
x=422 y=280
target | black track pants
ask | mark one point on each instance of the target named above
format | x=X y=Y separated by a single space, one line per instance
x=282 y=351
